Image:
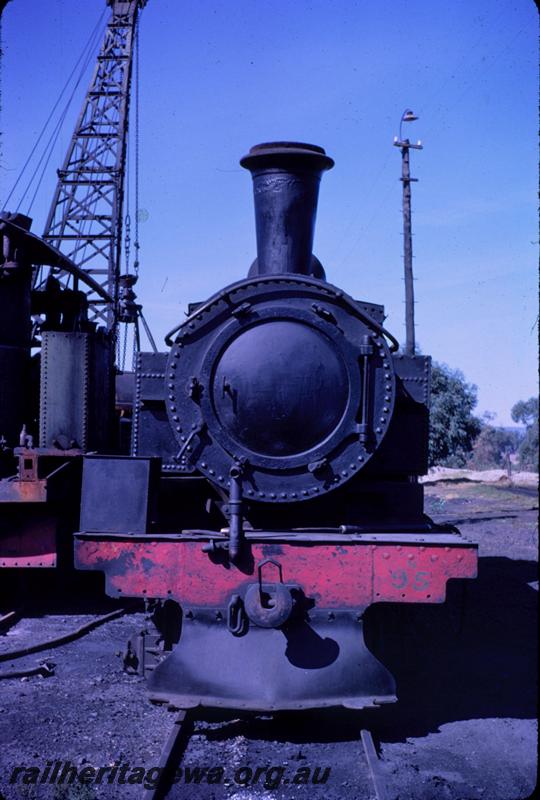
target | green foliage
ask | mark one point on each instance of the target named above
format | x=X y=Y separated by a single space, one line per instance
x=452 y=428
x=526 y=412
x=493 y=446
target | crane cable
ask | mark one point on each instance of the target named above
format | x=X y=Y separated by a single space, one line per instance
x=137 y=143
x=54 y=136
x=127 y=218
x=84 y=60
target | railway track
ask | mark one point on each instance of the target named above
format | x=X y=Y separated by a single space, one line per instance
x=375 y=785
x=258 y=736
x=9 y=619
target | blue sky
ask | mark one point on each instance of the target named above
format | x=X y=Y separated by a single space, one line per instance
x=218 y=77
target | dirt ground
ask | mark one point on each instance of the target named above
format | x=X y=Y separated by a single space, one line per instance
x=464 y=727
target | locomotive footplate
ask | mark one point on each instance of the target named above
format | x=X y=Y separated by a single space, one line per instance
x=281 y=627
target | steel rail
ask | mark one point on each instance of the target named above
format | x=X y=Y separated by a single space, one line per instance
x=45 y=670
x=171 y=755
x=378 y=777
x=8 y=620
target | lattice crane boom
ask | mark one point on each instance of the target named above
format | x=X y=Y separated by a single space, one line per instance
x=85 y=217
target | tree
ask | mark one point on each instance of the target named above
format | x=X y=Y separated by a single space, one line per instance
x=526 y=412
x=493 y=446
x=453 y=428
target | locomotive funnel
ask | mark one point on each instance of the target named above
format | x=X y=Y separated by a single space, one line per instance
x=286 y=177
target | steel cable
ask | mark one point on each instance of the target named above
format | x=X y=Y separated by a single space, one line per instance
x=89 y=45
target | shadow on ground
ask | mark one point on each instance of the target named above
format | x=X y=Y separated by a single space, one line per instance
x=474 y=657
x=39 y=592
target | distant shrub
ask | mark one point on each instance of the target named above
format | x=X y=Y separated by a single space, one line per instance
x=526 y=412
x=493 y=448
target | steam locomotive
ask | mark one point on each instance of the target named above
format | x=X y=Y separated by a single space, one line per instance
x=271 y=493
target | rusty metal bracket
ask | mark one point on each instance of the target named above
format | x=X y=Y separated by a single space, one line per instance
x=143 y=653
x=236 y=617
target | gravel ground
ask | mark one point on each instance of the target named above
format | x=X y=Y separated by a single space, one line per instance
x=464 y=727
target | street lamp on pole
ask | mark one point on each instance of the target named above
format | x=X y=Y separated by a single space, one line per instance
x=405 y=145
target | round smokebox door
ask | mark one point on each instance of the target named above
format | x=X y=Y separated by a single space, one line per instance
x=280 y=388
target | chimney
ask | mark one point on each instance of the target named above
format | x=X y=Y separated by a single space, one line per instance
x=286 y=177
